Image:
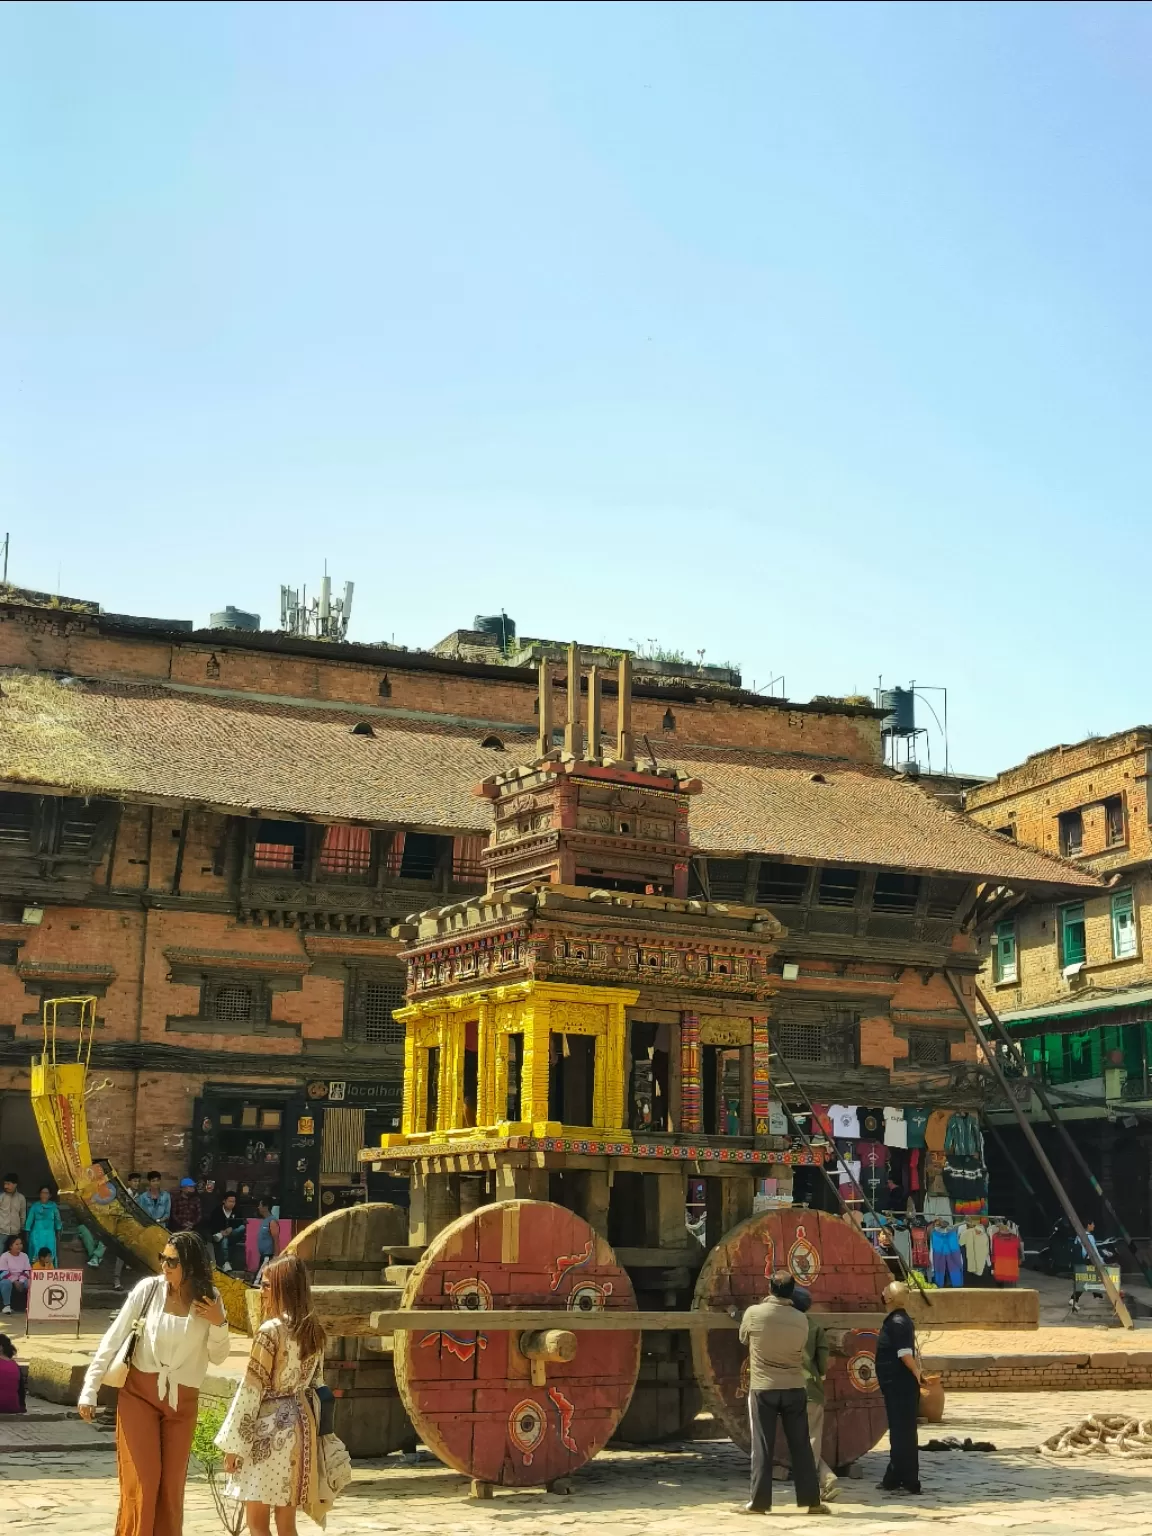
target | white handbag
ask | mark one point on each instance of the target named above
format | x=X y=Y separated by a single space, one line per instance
x=117 y=1373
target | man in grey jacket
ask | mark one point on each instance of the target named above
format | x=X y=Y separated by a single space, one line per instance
x=776 y=1335
x=13 y=1208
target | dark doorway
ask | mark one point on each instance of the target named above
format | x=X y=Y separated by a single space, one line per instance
x=471 y=1073
x=515 y=1075
x=722 y=1082
x=648 y=1077
x=571 y=1078
x=21 y=1150
x=626 y=1223
x=433 y=1090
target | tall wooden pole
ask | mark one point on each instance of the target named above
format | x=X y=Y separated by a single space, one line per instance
x=573 y=735
x=1086 y=1240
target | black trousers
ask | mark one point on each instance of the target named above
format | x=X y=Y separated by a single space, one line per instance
x=902 y=1403
x=764 y=1408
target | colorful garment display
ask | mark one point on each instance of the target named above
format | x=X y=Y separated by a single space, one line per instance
x=975 y=1246
x=936 y=1131
x=871 y=1123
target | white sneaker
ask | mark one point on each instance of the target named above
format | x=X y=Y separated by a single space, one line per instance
x=93 y=1263
x=227 y=1268
x=7 y=1309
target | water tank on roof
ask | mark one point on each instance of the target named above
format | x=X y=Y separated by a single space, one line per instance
x=234 y=618
x=899 y=705
x=499 y=626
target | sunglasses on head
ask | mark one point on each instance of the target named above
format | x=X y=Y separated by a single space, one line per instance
x=170 y=1261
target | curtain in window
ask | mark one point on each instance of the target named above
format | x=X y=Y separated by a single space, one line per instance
x=466 y=852
x=274 y=856
x=395 y=855
x=346 y=850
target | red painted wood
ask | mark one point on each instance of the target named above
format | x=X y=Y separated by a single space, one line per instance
x=469 y=1391
x=844 y=1273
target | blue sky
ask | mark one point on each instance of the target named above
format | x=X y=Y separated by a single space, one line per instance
x=815 y=336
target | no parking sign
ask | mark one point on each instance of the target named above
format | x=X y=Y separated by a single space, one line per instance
x=54 y=1296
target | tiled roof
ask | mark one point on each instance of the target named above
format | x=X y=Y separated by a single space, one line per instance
x=150 y=742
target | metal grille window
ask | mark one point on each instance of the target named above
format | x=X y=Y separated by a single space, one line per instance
x=380 y=998
x=801 y=1042
x=927 y=1048
x=229 y=1002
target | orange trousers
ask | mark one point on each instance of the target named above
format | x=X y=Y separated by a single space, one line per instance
x=153 y=1441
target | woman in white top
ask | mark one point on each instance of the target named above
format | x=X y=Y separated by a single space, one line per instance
x=184 y=1328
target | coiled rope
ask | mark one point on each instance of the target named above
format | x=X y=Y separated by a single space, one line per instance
x=1103 y=1434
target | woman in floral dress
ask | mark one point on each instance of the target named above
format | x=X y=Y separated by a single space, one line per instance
x=273 y=1453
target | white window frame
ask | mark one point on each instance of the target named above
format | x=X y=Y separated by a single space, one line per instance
x=1115 y=912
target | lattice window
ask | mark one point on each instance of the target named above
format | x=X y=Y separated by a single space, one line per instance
x=927 y=1048
x=230 y=1002
x=801 y=1042
x=380 y=999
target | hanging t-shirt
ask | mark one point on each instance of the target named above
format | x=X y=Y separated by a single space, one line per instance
x=849 y=1172
x=873 y=1168
x=1005 y=1258
x=845 y=1122
x=974 y=1242
x=917 y=1122
x=895 y=1127
x=777 y=1119
x=821 y=1122
x=871 y=1123
x=902 y=1242
x=936 y=1131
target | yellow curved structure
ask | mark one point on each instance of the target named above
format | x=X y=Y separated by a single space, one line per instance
x=58 y=1090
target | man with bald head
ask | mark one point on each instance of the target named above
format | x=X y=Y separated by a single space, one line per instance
x=898 y=1373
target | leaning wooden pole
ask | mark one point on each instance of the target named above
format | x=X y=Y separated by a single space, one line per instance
x=1042 y=1158
x=1054 y=1115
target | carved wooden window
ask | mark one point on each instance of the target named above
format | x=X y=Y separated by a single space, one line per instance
x=896 y=893
x=833 y=1043
x=838 y=887
x=370 y=1000
x=928 y=1048
x=781 y=884
x=726 y=879
x=17 y=814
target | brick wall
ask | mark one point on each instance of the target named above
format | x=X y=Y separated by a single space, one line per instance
x=32 y=638
x=1112 y=1371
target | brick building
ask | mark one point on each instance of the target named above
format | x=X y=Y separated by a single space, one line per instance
x=1072 y=978
x=216 y=832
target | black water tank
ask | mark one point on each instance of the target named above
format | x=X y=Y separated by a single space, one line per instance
x=499 y=626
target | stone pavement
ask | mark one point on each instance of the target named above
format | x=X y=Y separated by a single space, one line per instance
x=682 y=1491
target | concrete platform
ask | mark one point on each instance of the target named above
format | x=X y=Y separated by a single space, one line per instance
x=985 y=1309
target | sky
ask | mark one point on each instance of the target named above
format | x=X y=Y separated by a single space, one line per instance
x=816 y=337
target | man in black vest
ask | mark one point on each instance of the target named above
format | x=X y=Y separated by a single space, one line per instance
x=898 y=1372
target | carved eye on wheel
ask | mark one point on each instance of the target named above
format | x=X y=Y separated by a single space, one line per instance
x=589 y=1297
x=470 y=1296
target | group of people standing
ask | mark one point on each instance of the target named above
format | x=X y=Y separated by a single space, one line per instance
x=787 y=1360
x=225 y=1226
x=171 y=1328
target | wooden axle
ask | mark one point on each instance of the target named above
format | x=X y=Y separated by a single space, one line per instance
x=618 y=1320
x=547 y=1344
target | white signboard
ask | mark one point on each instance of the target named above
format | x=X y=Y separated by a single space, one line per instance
x=54 y=1295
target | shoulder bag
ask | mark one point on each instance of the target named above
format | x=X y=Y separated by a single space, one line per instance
x=117 y=1373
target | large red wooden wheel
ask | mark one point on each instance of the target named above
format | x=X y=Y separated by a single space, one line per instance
x=844 y=1273
x=469 y=1390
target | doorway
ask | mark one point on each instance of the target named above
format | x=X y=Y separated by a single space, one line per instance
x=571 y=1078
x=21 y=1150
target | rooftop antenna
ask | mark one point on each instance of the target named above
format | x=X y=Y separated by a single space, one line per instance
x=325 y=618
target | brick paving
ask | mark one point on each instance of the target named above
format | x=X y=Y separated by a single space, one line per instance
x=682 y=1491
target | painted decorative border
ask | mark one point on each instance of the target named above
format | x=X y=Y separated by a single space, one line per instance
x=657 y=1151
